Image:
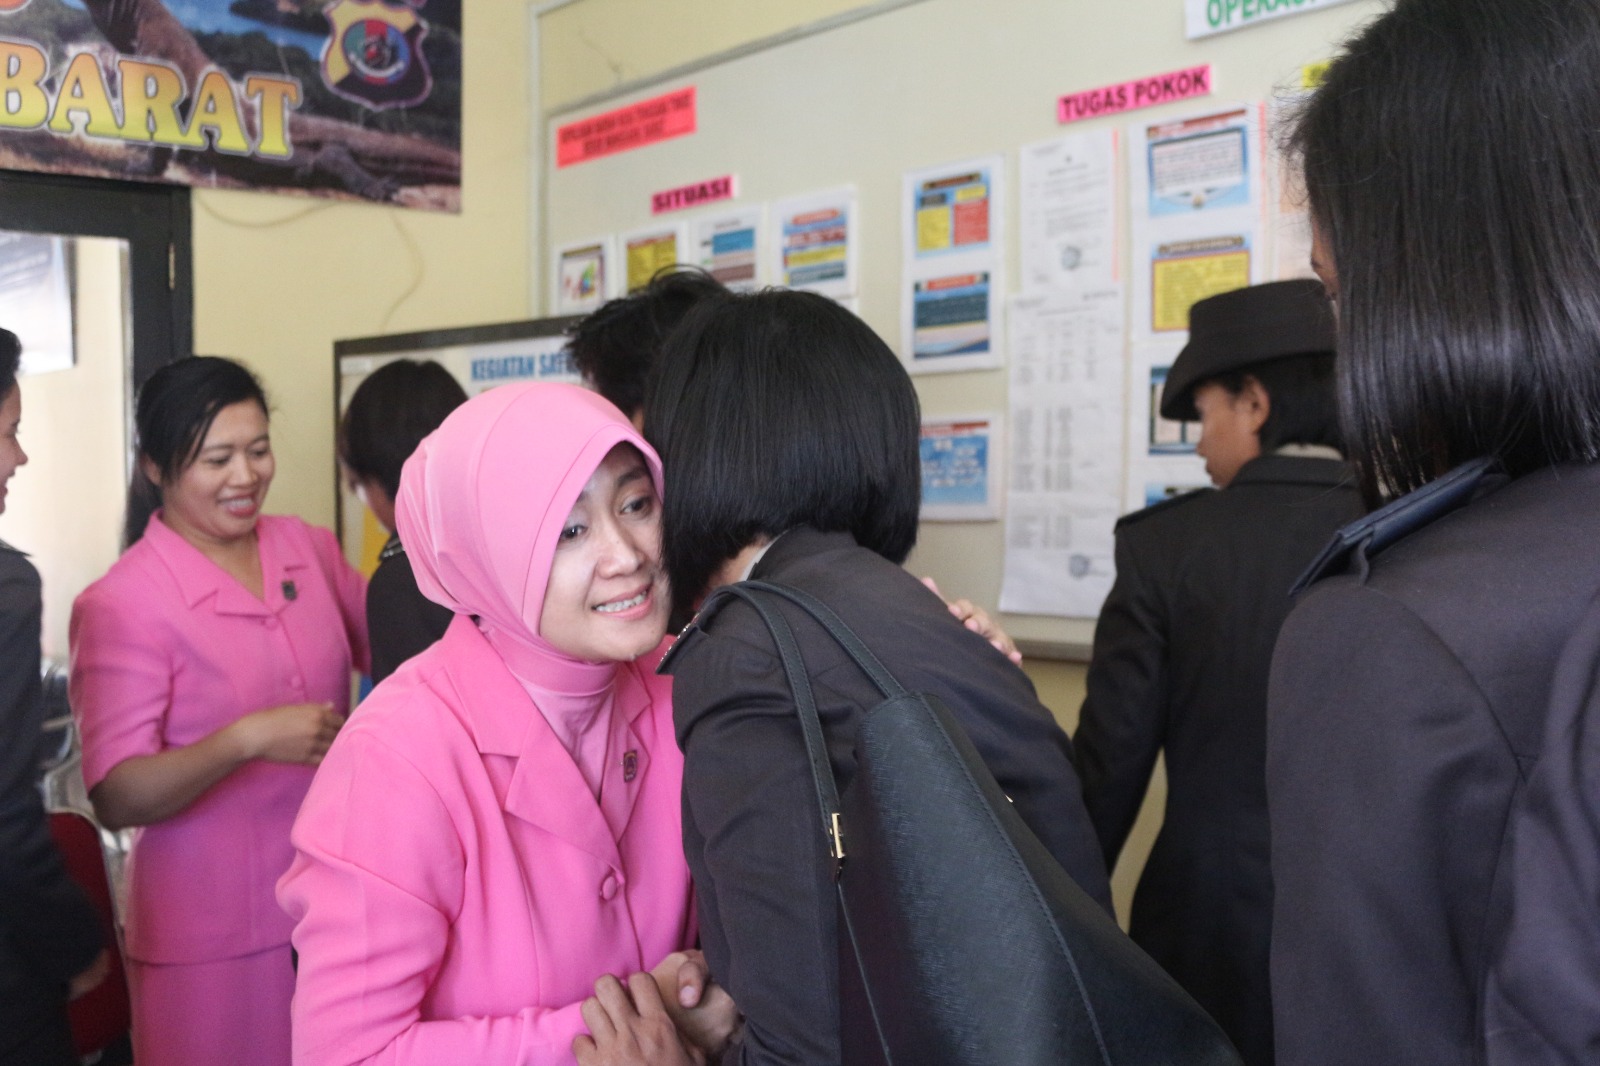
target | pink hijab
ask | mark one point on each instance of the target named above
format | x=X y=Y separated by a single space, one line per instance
x=481 y=504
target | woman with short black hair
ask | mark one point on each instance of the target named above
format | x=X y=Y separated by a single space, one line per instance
x=390 y=412
x=789 y=431
x=793 y=413
x=1450 y=156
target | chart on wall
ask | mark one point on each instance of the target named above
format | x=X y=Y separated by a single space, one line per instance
x=1027 y=234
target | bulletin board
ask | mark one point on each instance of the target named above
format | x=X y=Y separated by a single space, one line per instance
x=480 y=357
x=898 y=87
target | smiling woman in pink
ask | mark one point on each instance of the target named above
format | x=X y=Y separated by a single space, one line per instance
x=498 y=825
x=210 y=672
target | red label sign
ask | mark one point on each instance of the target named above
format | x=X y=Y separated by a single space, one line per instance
x=700 y=192
x=658 y=119
x=1132 y=95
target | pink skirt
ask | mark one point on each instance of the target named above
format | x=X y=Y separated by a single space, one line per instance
x=235 y=1011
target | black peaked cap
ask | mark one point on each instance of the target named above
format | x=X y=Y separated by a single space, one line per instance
x=1244 y=327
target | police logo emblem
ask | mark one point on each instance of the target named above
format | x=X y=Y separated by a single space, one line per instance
x=374 y=54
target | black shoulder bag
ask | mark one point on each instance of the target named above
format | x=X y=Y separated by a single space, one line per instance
x=964 y=941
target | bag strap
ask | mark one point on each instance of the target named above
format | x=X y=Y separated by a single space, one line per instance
x=757 y=594
x=846 y=638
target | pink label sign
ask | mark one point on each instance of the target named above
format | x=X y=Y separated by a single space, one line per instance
x=694 y=194
x=1132 y=95
x=646 y=122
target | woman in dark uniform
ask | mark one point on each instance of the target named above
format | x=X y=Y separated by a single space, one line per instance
x=1184 y=640
x=50 y=937
x=1451 y=159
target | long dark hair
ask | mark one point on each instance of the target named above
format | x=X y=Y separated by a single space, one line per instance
x=776 y=410
x=175 y=410
x=1451 y=157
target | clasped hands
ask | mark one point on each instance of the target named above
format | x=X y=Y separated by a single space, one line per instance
x=675 y=1015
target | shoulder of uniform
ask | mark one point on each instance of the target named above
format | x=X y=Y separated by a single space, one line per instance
x=1353 y=547
x=1170 y=504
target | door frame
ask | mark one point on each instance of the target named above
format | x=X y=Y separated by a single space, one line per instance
x=153 y=219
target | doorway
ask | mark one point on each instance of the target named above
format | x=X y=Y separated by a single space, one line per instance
x=127 y=309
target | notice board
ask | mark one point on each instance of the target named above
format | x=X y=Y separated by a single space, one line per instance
x=901 y=86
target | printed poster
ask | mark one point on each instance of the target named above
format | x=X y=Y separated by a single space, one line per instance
x=951 y=280
x=952 y=320
x=954 y=209
x=1199 y=201
x=582 y=276
x=728 y=247
x=1161 y=458
x=349 y=99
x=647 y=252
x=815 y=245
x=960 y=468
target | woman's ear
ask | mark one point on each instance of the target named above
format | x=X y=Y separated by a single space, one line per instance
x=152 y=472
x=1255 y=402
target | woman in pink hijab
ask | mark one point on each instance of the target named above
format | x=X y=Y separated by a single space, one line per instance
x=499 y=823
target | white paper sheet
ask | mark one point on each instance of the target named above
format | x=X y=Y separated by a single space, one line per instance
x=1066 y=434
x=1068 y=212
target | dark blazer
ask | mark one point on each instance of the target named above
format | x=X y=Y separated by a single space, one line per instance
x=48 y=931
x=1542 y=998
x=1180 y=663
x=1406 y=707
x=751 y=829
x=401 y=621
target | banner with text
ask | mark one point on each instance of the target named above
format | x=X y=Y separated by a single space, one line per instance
x=1206 y=17
x=357 y=99
x=637 y=125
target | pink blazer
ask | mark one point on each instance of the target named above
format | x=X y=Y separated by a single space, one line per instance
x=167 y=648
x=457 y=889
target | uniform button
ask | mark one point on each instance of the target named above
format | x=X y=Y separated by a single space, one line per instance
x=608 y=888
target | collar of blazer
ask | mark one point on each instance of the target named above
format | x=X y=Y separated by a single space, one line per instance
x=1353 y=547
x=546 y=788
x=198 y=577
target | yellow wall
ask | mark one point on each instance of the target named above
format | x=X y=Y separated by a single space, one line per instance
x=279 y=279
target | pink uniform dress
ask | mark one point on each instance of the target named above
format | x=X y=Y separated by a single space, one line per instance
x=459 y=885
x=167 y=648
